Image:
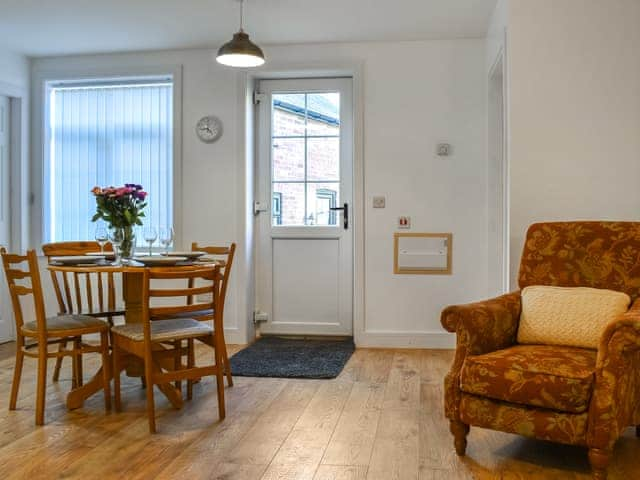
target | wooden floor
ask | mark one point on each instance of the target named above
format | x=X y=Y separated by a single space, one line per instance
x=381 y=419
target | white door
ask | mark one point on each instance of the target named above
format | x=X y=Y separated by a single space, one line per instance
x=305 y=177
x=6 y=320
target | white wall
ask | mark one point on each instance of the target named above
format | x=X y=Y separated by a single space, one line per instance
x=415 y=94
x=574 y=112
x=14 y=82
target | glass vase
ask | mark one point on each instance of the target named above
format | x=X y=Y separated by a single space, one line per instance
x=127 y=247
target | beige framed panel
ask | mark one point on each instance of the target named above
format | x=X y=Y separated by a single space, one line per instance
x=447 y=239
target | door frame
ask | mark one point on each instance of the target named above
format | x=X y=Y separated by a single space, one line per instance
x=355 y=70
x=19 y=180
x=499 y=68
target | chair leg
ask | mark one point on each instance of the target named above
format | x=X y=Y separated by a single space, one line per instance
x=41 y=389
x=115 y=352
x=56 y=370
x=77 y=345
x=106 y=367
x=177 y=360
x=191 y=362
x=219 y=347
x=460 y=431
x=17 y=374
x=227 y=365
x=151 y=409
x=599 y=460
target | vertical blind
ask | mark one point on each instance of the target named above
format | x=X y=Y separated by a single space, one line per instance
x=107 y=134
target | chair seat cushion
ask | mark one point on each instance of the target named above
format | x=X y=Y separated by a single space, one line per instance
x=163 y=330
x=67 y=322
x=554 y=377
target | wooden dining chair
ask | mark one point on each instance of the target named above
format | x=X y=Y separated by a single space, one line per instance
x=34 y=337
x=163 y=329
x=224 y=258
x=84 y=293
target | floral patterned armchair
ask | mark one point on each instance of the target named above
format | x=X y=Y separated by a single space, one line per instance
x=564 y=394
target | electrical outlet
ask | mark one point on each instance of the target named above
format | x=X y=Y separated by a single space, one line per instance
x=404 y=222
x=379 y=202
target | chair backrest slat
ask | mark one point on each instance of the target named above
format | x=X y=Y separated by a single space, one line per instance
x=34 y=289
x=75 y=291
x=226 y=262
x=164 y=282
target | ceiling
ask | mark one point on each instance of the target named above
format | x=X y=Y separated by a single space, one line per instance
x=61 y=27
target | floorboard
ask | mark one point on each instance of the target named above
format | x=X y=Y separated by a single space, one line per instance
x=380 y=419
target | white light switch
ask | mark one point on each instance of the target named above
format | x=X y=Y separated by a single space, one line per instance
x=378 y=202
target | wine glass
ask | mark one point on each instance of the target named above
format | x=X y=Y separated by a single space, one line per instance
x=116 y=237
x=102 y=237
x=150 y=235
x=166 y=238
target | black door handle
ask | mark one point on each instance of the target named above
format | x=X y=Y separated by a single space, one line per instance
x=345 y=213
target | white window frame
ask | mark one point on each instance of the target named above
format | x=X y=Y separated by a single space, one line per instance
x=40 y=139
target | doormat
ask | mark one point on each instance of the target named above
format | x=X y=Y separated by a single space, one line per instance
x=292 y=358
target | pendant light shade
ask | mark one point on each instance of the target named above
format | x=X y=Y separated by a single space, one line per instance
x=240 y=51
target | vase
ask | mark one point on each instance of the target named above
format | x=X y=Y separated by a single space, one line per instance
x=128 y=244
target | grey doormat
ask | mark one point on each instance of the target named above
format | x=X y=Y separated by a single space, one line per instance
x=292 y=358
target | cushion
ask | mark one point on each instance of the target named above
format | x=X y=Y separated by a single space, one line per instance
x=163 y=330
x=573 y=316
x=67 y=322
x=554 y=377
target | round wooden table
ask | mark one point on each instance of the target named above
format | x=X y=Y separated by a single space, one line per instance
x=132 y=286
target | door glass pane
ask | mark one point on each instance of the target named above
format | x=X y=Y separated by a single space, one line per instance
x=323 y=158
x=289 y=207
x=320 y=198
x=288 y=158
x=323 y=114
x=305 y=158
x=289 y=114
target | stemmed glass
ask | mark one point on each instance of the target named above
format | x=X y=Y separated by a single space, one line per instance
x=150 y=236
x=102 y=237
x=166 y=238
x=116 y=236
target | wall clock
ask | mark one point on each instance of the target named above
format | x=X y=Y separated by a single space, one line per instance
x=209 y=129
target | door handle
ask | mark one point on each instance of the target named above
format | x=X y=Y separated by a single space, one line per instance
x=345 y=214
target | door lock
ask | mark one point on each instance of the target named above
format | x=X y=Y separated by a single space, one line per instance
x=345 y=214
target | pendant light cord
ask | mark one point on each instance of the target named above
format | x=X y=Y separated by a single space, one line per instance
x=241 y=15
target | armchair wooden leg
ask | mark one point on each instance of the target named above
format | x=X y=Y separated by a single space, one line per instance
x=191 y=362
x=460 y=431
x=227 y=366
x=17 y=374
x=599 y=460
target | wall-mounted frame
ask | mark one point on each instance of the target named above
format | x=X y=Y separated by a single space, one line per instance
x=422 y=253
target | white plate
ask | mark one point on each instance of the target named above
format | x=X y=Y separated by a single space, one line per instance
x=190 y=255
x=156 y=261
x=106 y=255
x=76 y=260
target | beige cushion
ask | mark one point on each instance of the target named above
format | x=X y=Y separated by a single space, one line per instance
x=162 y=330
x=571 y=316
x=68 y=322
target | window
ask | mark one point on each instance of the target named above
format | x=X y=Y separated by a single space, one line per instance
x=305 y=158
x=106 y=133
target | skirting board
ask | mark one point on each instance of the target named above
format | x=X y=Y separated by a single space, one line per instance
x=232 y=336
x=381 y=339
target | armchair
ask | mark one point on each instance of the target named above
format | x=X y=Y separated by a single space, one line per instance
x=569 y=395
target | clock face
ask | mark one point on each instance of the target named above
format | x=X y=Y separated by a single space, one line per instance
x=209 y=129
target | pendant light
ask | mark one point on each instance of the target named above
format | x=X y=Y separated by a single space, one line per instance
x=240 y=51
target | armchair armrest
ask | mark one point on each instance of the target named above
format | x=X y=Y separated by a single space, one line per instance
x=480 y=327
x=616 y=398
x=486 y=326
